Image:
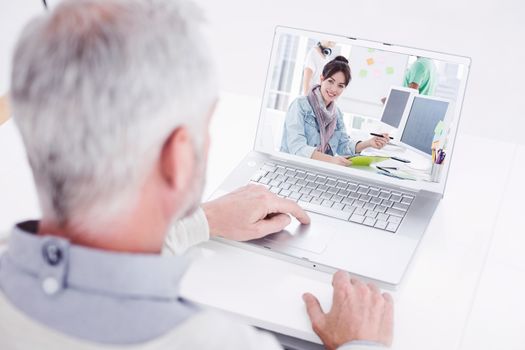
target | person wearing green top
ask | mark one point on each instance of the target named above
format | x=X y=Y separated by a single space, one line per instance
x=421 y=76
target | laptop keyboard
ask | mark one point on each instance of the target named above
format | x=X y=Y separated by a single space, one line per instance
x=374 y=206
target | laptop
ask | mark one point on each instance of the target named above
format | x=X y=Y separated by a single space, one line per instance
x=362 y=221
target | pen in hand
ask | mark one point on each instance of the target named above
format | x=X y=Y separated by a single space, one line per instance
x=379 y=135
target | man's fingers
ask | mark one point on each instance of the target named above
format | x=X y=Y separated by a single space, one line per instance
x=388 y=320
x=286 y=206
x=313 y=308
x=271 y=224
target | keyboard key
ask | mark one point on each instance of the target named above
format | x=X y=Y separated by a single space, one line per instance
x=338 y=206
x=305 y=190
x=295 y=188
x=337 y=198
x=392 y=227
x=354 y=195
x=381 y=208
x=265 y=180
x=384 y=195
x=311 y=185
x=373 y=193
x=387 y=203
x=290 y=173
x=310 y=177
x=341 y=185
x=300 y=175
x=316 y=193
x=373 y=188
x=371 y=214
x=294 y=195
x=325 y=195
x=349 y=209
x=322 y=188
x=357 y=218
x=332 y=190
x=375 y=200
x=275 y=190
x=395 y=212
x=317 y=201
x=395 y=198
x=382 y=217
x=285 y=186
x=324 y=210
x=360 y=211
x=359 y=203
x=352 y=187
x=369 y=221
x=321 y=180
x=343 y=193
x=362 y=190
x=348 y=201
x=272 y=175
x=306 y=198
x=280 y=170
x=301 y=183
x=407 y=200
x=331 y=183
x=327 y=203
x=381 y=224
x=285 y=193
x=280 y=178
x=394 y=219
x=395 y=193
x=365 y=198
x=400 y=206
x=291 y=181
x=274 y=183
x=369 y=206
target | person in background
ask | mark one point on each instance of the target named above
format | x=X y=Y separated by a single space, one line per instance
x=114 y=115
x=316 y=58
x=314 y=126
x=421 y=76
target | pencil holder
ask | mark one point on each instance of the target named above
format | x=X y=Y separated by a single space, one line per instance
x=435 y=172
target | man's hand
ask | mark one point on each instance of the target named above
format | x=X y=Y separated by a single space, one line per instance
x=359 y=312
x=251 y=212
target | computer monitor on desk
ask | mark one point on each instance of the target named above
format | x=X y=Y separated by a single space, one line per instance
x=417 y=128
x=395 y=105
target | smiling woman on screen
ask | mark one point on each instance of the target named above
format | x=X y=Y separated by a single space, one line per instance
x=314 y=126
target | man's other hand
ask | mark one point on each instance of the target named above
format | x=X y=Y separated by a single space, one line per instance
x=359 y=312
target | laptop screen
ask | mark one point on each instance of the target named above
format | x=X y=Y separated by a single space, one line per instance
x=325 y=98
x=424 y=116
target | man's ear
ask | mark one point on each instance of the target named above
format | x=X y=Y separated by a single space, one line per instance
x=177 y=160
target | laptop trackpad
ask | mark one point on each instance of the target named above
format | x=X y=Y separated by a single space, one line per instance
x=312 y=238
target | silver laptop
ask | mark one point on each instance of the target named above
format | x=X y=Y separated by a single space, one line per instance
x=365 y=219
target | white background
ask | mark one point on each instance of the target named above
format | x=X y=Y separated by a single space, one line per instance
x=492 y=33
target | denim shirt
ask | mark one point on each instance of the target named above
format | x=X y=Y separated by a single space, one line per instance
x=301 y=134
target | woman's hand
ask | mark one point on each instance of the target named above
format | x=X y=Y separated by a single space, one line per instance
x=374 y=142
x=341 y=161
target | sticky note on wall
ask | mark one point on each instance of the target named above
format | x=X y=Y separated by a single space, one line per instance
x=370 y=61
x=390 y=70
x=363 y=73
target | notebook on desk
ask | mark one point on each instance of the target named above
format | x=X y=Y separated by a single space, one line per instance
x=362 y=221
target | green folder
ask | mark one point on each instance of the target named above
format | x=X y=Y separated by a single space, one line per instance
x=366 y=160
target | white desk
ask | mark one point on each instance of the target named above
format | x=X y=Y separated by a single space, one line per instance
x=438 y=299
x=432 y=304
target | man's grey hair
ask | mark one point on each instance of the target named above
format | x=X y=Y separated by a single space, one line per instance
x=97 y=88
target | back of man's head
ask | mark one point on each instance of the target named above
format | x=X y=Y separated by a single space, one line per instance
x=97 y=87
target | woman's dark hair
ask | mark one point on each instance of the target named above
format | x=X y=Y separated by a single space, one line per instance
x=338 y=64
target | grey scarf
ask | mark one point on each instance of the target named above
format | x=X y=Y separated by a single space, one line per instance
x=326 y=117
